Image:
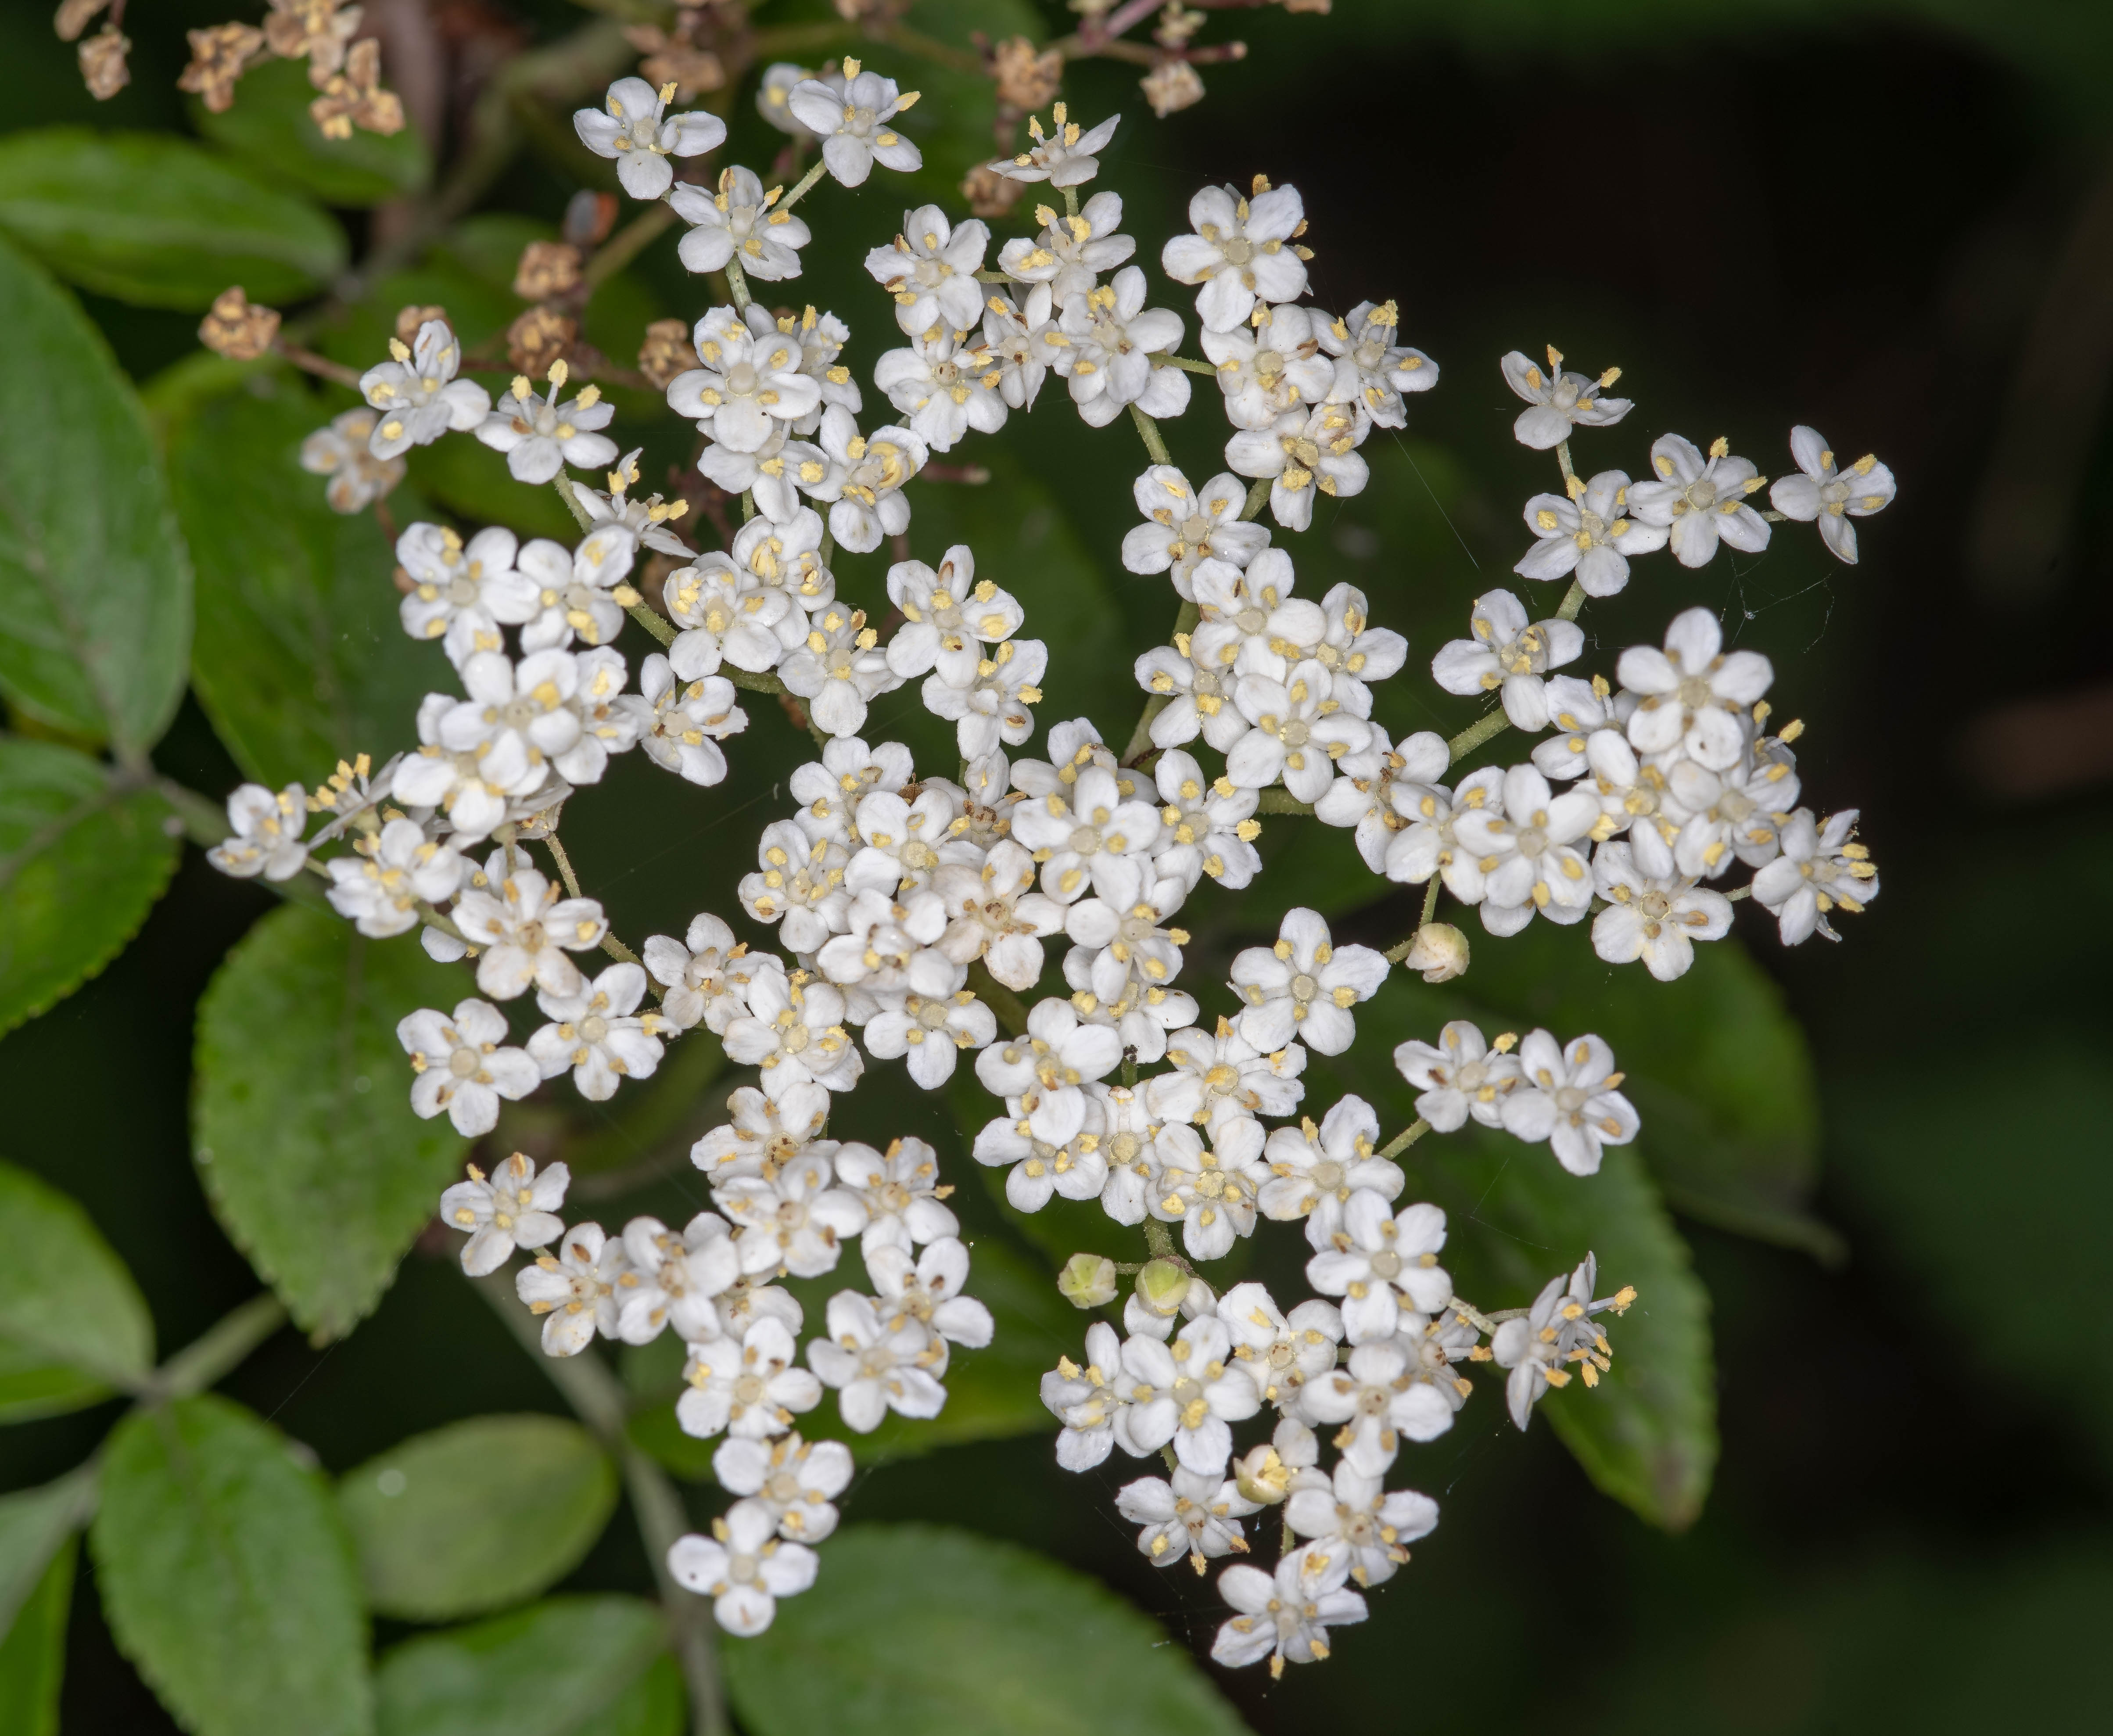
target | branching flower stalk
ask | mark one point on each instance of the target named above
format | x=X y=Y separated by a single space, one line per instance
x=915 y=912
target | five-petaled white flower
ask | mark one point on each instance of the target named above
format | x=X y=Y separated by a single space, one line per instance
x=1378 y=1402
x=417 y=394
x=1112 y=337
x=1822 y=870
x=527 y=927
x=381 y=884
x=1285 y=1615
x=855 y=124
x=746 y=1383
x=1300 y=729
x=1241 y=252
x=747 y=386
x=633 y=126
x=879 y=1361
x=1525 y=850
x=675 y=1280
x=1071 y=252
x=267 y=833
x=574 y=1290
x=1185 y=526
x=1459 y=1077
x=737 y=222
x=930 y=270
x=1304 y=986
x=1557 y=401
x=598 y=1032
x=1700 y=500
x=744 y=1567
x=793 y=1031
x=1192 y=1517
x=1301 y=453
x=1509 y=655
x=1375 y=370
x=1589 y=534
x=540 y=435
x=1065 y=157
x=1559 y=1329
x=1656 y=918
x=1693 y=691
x=705 y=976
x=1315 y=1171
x=902 y=1192
x=796 y=1480
x=1353 y=1519
x=1568 y=1095
x=1380 y=1260
x=1830 y=494
x=514 y=1206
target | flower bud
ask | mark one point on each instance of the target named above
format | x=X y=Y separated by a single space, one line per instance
x=1087 y=1281
x=1262 y=1476
x=1160 y=1285
x=1440 y=951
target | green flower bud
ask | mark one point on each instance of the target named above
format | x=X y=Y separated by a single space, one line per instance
x=1440 y=951
x=1160 y=1285
x=1087 y=1280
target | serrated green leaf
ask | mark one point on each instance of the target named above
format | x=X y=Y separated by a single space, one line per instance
x=33 y=1655
x=569 y=1666
x=302 y=1123
x=83 y=857
x=77 y=1326
x=915 y=1627
x=227 y=1578
x=1647 y=1433
x=1718 y=1069
x=155 y=220
x=95 y=595
x=477 y=1515
x=301 y=658
x=269 y=130
x=34 y=1524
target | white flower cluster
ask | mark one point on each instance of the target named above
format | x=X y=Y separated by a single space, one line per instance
x=911 y=909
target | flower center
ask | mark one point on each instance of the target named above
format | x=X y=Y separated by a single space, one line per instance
x=1386 y=1263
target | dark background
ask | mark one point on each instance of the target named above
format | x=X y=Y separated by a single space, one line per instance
x=1895 y=223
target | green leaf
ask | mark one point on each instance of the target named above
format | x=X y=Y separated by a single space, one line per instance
x=83 y=857
x=32 y=1655
x=227 y=1577
x=1647 y=1433
x=301 y=659
x=154 y=220
x=34 y=1525
x=76 y=1326
x=913 y=1627
x=1718 y=1069
x=569 y=1666
x=94 y=593
x=477 y=1515
x=303 y=1127
x=269 y=130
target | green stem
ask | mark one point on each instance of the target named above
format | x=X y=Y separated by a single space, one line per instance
x=625 y=245
x=581 y=516
x=1183 y=362
x=802 y=187
x=652 y=624
x=1281 y=801
x=1475 y=734
x=1429 y=902
x=597 y=1399
x=1160 y=1240
x=1258 y=498
x=211 y=1357
x=1154 y=443
x=1573 y=601
x=1406 y=1138
x=1009 y=1010
x=737 y=286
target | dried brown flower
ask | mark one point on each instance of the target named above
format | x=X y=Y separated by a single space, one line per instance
x=666 y=352
x=1026 y=79
x=102 y=65
x=989 y=193
x=320 y=29
x=237 y=327
x=218 y=56
x=1171 y=86
x=74 y=16
x=354 y=97
x=547 y=268
x=674 y=57
x=1308 y=6
x=409 y=318
x=539 y=338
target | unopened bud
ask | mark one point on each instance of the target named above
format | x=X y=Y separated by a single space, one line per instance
x=1087 y=1281
x=1160 y=1285
x=1262 y=1476
x=1440 y=951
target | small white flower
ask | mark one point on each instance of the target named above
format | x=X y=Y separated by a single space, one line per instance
x=1354 y=1519
x=1459 y=1077
x=1096 y=838
x=1559 y=1329
x=574 y=1290
x=1222 y=1078
x=794 y=1032
x=821 y=338
x=1066 y=1160
x=380 y=885
x=1379 y=1261
x=796 y=1221
x=931 y=1030
x=1210 y=825
x=1590 y=535
x=800 y=881
x=1196 y=676
x=1195 y=1517
x=1300 y=730
x=1212 y=1193
x=1656 y=918
x=525 y=930
x=724 y=619
x=1566 y=1094
x=1183 y=1393
x=1821 y=869
x=1279 y=1353
x=1732 y=813
x=577 y=590
x=747 y=386
x=1700 y=500
x=1380 y=1402
x=647 y=520
x=1276 y=365
x=931 y=270
x=1508 y=656
x=943 y=387
x=1525 y=849
x=1251 y=621
x=1579 y=710
x=680 y=725
x=900 y=1191
x=1019 y=344
x=1057 y=1055
x=705 y=976
x=989 y=701
x=862 y=478
x=1241 y=252
x=765 y=1134
x=854 y=124
x=1557 y=401
x=515 y=1208
x=341 y=450
x=540 y=437
x=886 y=948
x=1303 y=453
x=1829 y=494
x=1185 y=526
x=1353 y=651
x=1286 y=1614
x=462 y=594
x=598 y=1033
x=630 y=127
x=1071 y=252
x=995 y=914
x=839 y=669
x=1065 y=157
x=737 y=221
x=1304 y=986
x=1374 y=370
x=1693 y=692
x=417 y=395
x=1314 y=1171
x=927 y=1289
x=746 y=1383
x=794 y=1481
x=1087 y=1399
x=1111 y=338
x=1380 y=792
x=267 y=833
x=675 y=1280
x=877 y=1363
